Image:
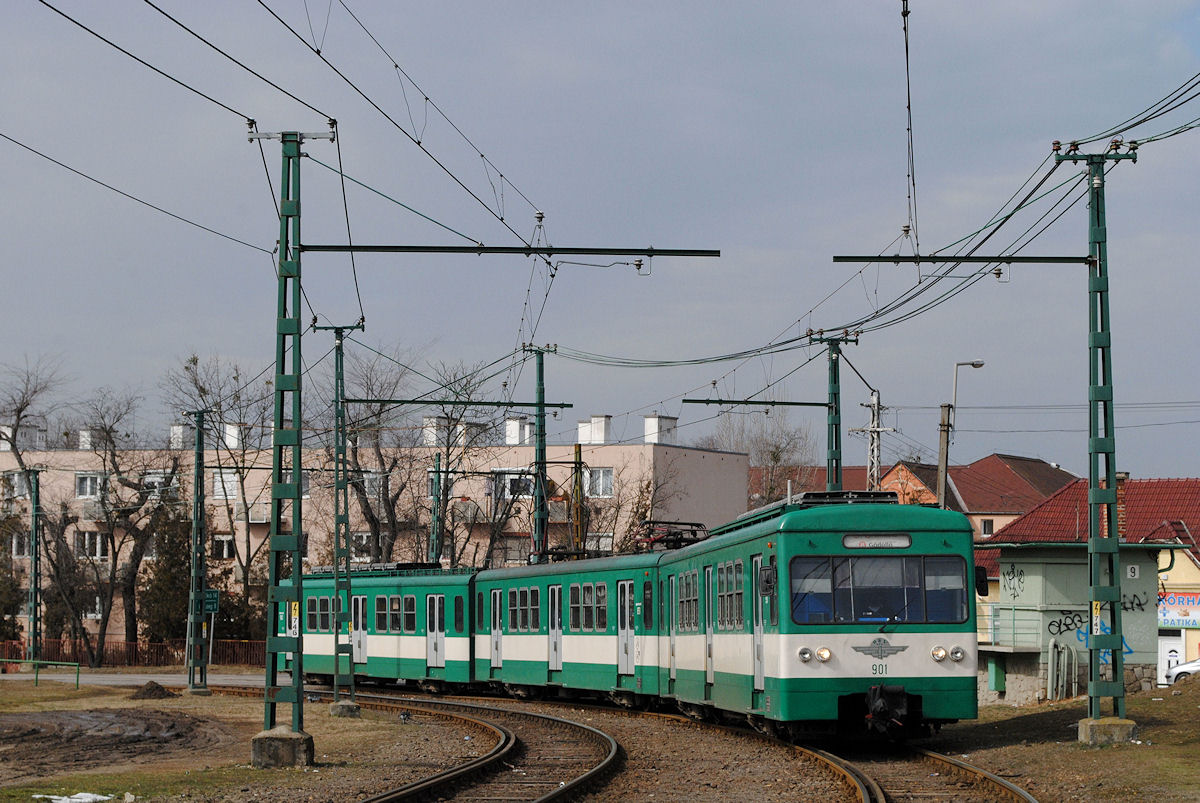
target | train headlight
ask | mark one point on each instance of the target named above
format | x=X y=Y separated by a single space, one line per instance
x=823 y=654
x=805 y=654
x=957 y=654
x=938 y=653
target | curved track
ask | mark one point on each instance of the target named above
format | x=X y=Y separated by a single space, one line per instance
x=536 y=757
x=896 y=774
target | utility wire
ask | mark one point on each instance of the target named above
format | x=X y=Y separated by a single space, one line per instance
x=256 y=74
x=387 y=197
x=144 y=63
x=362 y=316
x=133 y=197
x=912 y=164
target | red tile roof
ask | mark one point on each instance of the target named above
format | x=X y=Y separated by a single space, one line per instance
x=804 y=478
x=1001 y=483
x=1155 y=510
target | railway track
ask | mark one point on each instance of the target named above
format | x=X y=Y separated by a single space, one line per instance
x=900 y=774
x=536 y=757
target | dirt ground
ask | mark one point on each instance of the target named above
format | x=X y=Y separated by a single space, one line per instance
x=54 y=739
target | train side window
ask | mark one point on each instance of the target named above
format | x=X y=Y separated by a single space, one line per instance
x=647 y=604
x=774 y=600
x=946 y=589
x=589 y=610
x=458 y=614
x=323 y=613
x=739 y=619
x=535 y=612
x=396 y=618
x=811 y=590
x=310 y=608
x=410 y=613
x=479 y=618
x=523 y=609
x=575 y=606
x=512 y=610
x=601 y=606
x=722 y=598
x=381 y=614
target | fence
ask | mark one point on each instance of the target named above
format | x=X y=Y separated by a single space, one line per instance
x=225 y=652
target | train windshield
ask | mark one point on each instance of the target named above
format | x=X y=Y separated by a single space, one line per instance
x=836 y=589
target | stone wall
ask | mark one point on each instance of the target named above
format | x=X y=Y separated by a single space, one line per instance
x=1025 y=677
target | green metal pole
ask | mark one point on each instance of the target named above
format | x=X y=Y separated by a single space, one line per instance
x=1104 y=567
x=541 y=514
x=34 y=648
x=285 y=568
x=342 y=548
x=435 y=522
x=833 y=458
x=197 y=653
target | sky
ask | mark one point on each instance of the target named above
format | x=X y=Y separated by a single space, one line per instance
x=773 y=131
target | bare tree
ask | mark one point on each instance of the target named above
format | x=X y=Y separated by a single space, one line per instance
x=781 y=449
x=239 y=427
x=386 y=475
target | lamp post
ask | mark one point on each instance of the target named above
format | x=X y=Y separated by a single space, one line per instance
x=945 y=428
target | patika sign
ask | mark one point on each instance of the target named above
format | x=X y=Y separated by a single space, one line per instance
x=1179 y=609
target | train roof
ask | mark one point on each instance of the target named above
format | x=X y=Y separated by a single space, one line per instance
x=631 y=561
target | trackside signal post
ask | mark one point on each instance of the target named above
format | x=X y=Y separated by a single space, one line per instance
x=279 y=746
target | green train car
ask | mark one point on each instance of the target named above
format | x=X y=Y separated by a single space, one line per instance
x=840 y=610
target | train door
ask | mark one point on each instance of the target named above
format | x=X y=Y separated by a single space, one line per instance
x=435 y=630
x=554 y=628
x=756 y=593
x=358 y=629
x=497 y=624
x=625 y=624
x=672 y=624
x=710 y=612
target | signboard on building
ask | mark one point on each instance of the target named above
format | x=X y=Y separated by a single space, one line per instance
x=1179 y=609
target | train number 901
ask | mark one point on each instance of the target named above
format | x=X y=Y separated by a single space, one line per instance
x=878 y=669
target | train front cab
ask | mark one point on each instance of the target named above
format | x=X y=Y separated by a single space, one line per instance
x=580 y=625
x=877 y=625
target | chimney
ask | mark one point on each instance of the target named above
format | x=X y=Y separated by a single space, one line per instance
x=660 y=428
x=595 y=430
x=517 y=430
x=85 y=440
x=183 y=436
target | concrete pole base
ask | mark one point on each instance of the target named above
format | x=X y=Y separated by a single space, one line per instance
x=281 y=747
x=1106 y=730
x=200 y=691
x=345 y=708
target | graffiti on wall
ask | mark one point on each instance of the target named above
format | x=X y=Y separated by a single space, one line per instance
x=1012 y=581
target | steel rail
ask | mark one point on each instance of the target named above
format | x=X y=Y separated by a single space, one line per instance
x=1010 y=790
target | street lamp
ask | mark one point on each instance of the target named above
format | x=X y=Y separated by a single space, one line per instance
x=946 y=427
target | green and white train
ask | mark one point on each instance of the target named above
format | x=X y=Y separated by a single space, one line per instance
x=837 y=610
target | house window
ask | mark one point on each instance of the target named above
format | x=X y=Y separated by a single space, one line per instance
x=87 y=486
x=96 y=611
x=16 y=485
x=151 y=551
x=305 y=482
x=91 y=544
x=985 y=527
x=225 y=483
x=599 y=542
x=222 y=547
x=20 y=544
x=598 y=482
x=512 y=483
x=448 y=480
x=373 y=485
x=160 y=485
x=360 y=547
x=516 y=549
